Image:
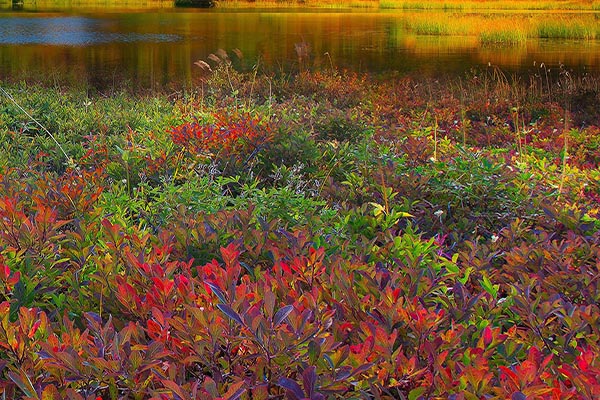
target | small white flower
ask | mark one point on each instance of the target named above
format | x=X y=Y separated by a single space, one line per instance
x=494 y=238
x=438 y=213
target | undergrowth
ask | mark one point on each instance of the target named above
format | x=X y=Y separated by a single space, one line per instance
x=324 y=235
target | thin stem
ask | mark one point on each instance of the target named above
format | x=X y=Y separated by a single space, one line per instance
x=69 y=159
x=565 y=155
x=435 y=128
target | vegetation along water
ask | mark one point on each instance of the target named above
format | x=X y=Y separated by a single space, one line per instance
x=317 y=200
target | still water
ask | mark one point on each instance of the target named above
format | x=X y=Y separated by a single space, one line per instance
x=158 y=48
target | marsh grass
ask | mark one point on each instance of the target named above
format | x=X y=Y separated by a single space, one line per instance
x=327 y=4
x=445 y=26
x=420 y=5
x=566 y=29
x=458 y=5
x=501 y=29
x=509 y=37
x=446 y=5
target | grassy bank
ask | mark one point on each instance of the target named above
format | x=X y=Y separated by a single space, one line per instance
x=322 y=235
x=448 y=5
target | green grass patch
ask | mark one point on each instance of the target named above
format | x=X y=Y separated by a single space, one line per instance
x=563 y=29
x=508 y=37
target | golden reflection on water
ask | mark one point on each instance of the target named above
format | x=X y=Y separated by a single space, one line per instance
x=156 y=49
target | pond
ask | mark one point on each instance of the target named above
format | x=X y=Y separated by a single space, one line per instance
x=157 y=48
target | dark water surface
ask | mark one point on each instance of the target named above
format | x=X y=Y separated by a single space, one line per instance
x=157 y=49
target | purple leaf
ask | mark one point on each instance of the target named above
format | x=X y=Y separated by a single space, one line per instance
x=238 y=393
x=309 y=378
x=217 y=291
x=361 y=369
x=230 y=312
x=343 y=373
x=282 y=314
x=292 y=387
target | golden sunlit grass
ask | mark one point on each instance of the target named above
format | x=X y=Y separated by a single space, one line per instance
x=503 y=37
x=329 y=4
x=493 y=22
x=567 y=29
x=447 y=5
x=490 y=4
x=458 y=5
x=502 y=28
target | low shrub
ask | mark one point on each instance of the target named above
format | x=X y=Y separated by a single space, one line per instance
x=349 y=237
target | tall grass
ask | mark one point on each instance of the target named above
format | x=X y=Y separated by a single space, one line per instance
x=490 y=5
x=446 y=5
x=432 y=27
x=509 y=29
x=509 y=37
x=565 y=29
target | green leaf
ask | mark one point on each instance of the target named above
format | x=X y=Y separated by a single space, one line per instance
x=314 y=351
x=378 y=209
x=416 y=393
x=23 y=382
x=489 y=287
x=452 y=268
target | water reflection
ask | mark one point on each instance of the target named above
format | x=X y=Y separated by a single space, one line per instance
x=69 y=31
x=158 y=49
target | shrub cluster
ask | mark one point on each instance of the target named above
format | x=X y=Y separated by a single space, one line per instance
x=317 y=237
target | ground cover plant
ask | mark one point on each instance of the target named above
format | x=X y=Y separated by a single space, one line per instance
x=316 y=236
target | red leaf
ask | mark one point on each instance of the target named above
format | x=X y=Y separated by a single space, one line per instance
x=34 y=329
x=487 y=336
x=229 y=254
x=176 y=389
